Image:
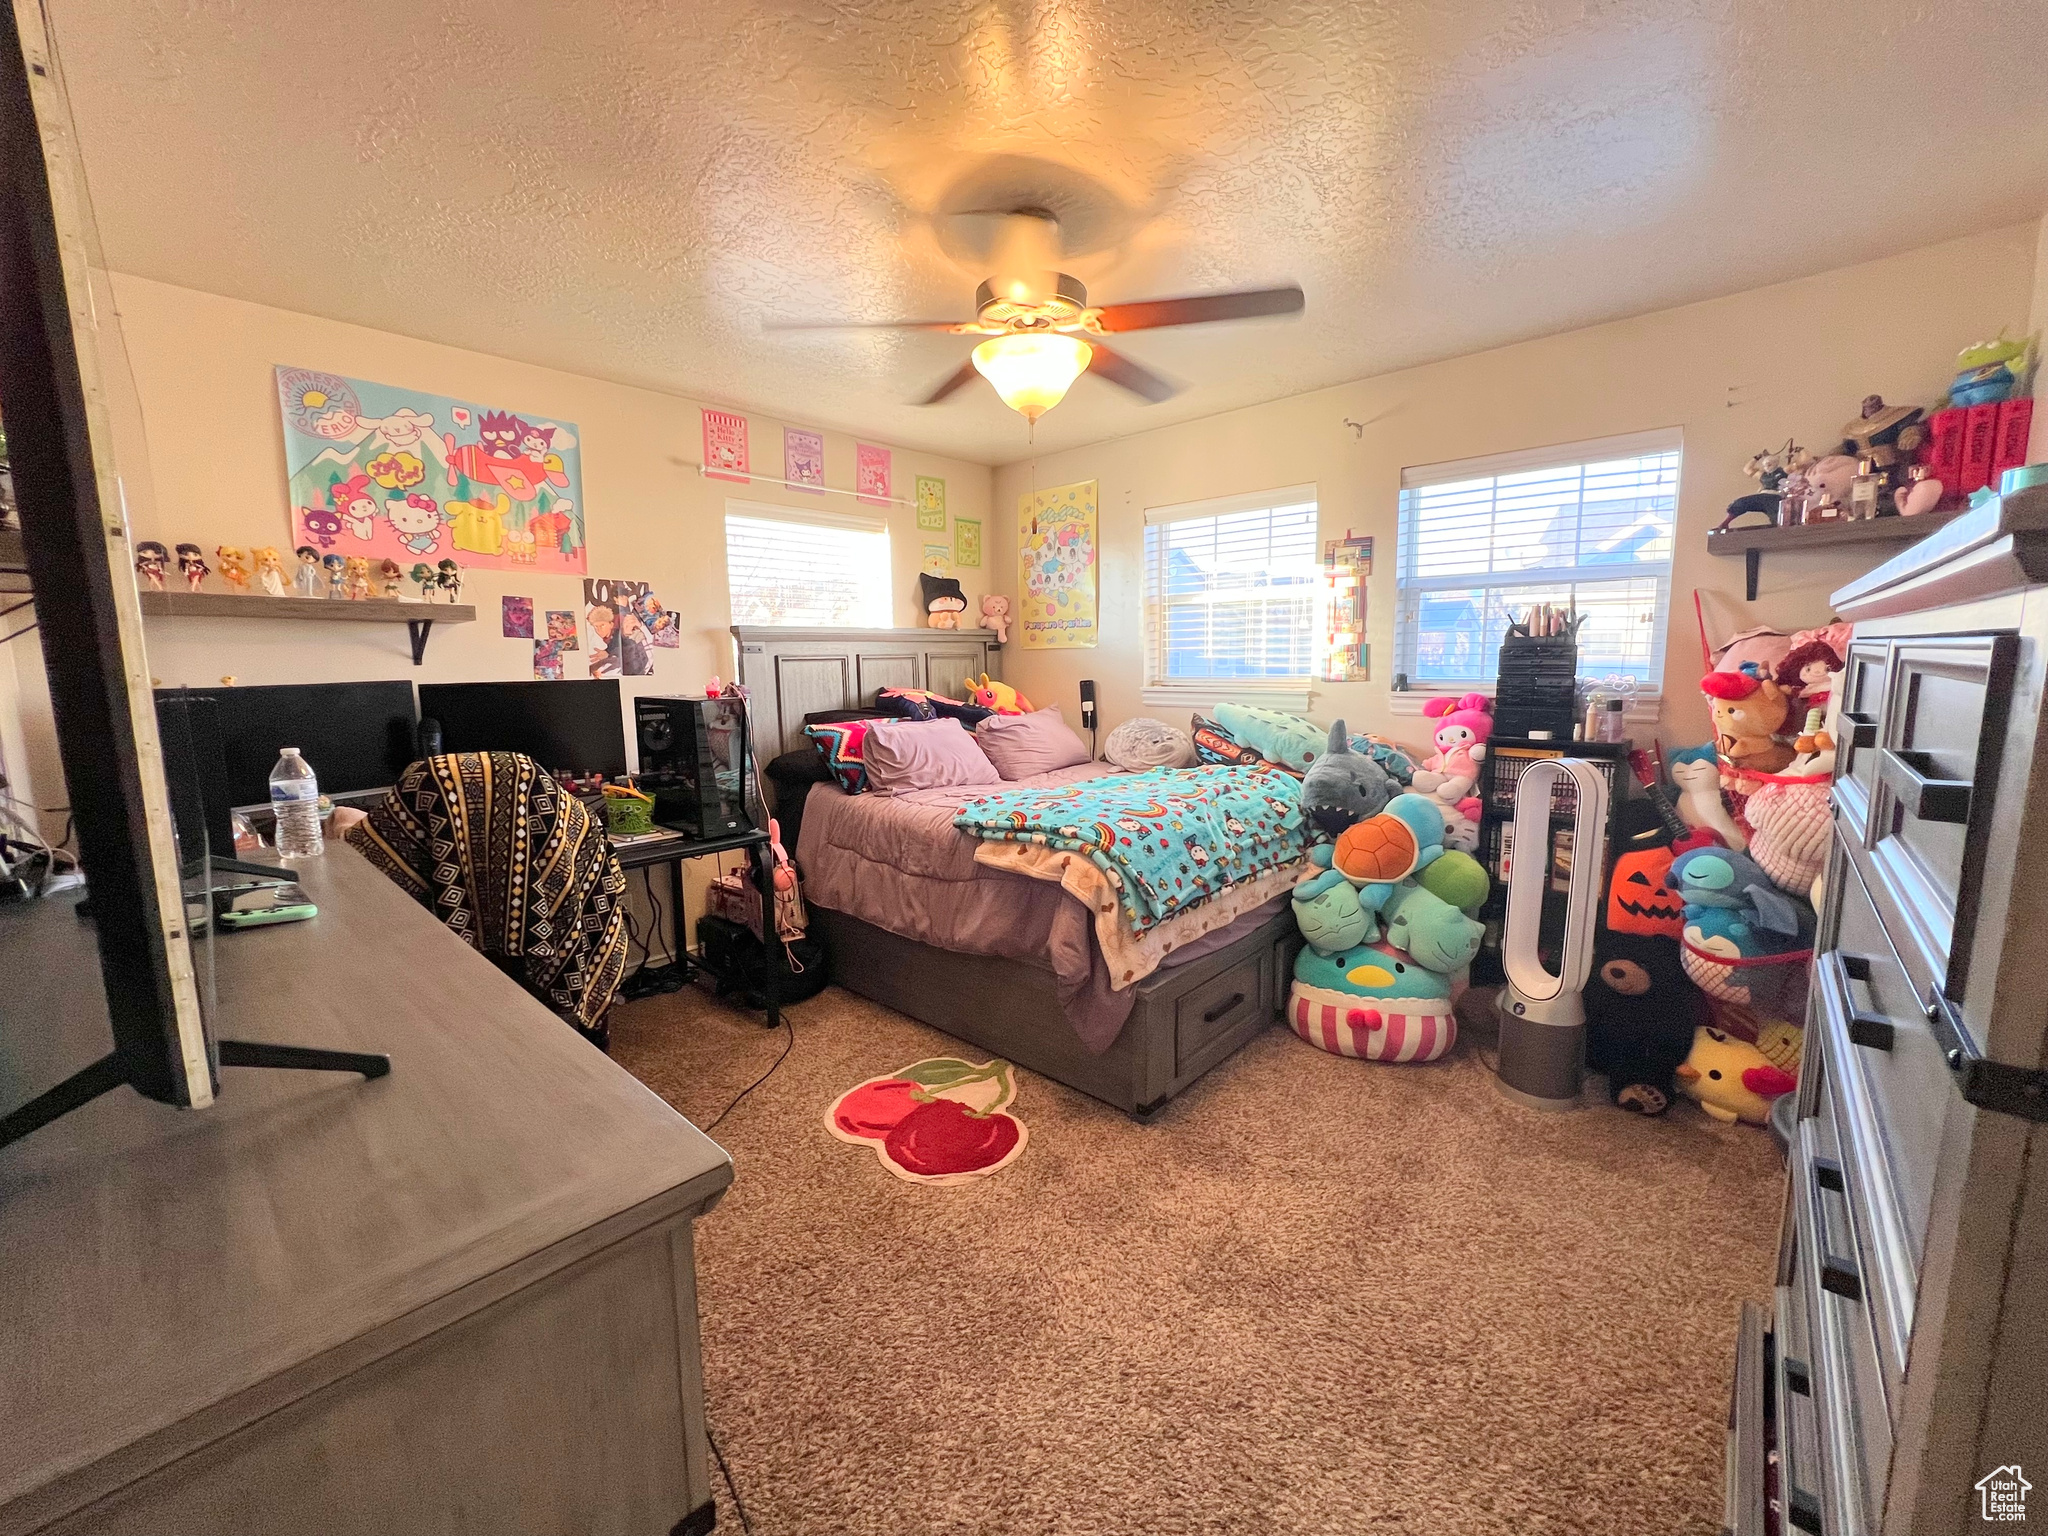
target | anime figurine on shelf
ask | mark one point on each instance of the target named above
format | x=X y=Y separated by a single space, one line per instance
x=388 y=573
x=450 y=581
x=151 y=561
x=336 y=567
x=192 y=565
x=269 y=569
x=234 y=566
x=307 y=580
x=423 y=577
x=356 y=578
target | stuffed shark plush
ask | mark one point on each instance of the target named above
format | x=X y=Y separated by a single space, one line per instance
x=1343 y=787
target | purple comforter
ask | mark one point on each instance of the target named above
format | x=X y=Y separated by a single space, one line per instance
x=897 y=861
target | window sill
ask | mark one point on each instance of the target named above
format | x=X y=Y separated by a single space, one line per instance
x=1644 y=708
x=1203 y=694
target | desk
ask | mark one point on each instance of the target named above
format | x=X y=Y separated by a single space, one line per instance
x=672 y=849
x=460 y=1297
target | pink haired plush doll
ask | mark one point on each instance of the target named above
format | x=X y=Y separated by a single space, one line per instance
x=1462 y=728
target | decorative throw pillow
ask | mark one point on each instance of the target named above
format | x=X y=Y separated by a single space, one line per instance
x=904 y=755
x=1023 y=746
x=1213 y=744
x=842 y=745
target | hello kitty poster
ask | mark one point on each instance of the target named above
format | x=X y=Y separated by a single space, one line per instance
x=385 y=472
x=1056 y=567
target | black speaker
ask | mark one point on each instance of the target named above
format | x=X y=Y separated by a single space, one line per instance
x=694 y=760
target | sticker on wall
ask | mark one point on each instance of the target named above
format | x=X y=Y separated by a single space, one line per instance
x=725 y=446
x=562 y=628
x=548 y=665
x=803 y=459
x=871 y=472
x=938 y=559
x=518 y=617
x=967 y=543
x=622 y=639
x=380 y=472
x=931 y=504
x=1056 y=567
x=1347 y=564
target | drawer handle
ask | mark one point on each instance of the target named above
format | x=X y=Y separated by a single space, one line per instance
x=1837 y=1274
x=1926 y=797
x=1802 y=1505
x=1873 y=1030
x=1862 y=728
x=1222 y=1008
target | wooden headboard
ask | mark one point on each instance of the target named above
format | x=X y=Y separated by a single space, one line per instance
x=790 y=673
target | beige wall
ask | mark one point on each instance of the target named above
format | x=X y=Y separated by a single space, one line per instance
x=1736 y=374
x=202 y=367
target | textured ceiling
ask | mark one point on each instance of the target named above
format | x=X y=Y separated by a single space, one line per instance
x=630 y=188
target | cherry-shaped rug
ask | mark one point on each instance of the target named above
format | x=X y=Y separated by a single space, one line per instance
x=937 y=1121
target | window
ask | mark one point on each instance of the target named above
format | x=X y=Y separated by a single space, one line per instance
x=1583 y=525
x=801 y=565
x=1231 y=588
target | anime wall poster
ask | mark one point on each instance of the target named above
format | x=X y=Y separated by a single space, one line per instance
x=1056 y=567
x=627 y=624
x=388 y=473
x=803 y=459
x=725 y=446
x=871 y=472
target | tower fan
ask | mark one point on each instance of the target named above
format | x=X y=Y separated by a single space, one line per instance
x=1542 y=1012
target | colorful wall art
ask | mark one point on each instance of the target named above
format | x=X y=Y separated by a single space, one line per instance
x=871 y=472
x=1056 y=567
x=378 y=471
x=725 y=446
x=518 y=612
x=628 y=624
x=967 y=543
x=931 y=504
x=803 y=459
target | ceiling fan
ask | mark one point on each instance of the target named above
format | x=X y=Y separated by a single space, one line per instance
x=1041 y=333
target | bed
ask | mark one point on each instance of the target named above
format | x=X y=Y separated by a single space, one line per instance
x=1206 y=1000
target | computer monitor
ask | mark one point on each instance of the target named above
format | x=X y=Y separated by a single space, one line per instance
x=577 y=726
x=356 y=736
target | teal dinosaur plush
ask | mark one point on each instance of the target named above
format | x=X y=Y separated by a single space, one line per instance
x=1287 y=740
x=1435 y=934
x=1327 y=908
x=1457 y=878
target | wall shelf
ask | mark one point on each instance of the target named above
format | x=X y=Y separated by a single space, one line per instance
x=418 y=618
x=1751 y=543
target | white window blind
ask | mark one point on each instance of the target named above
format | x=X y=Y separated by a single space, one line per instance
x=799 y=566
x=1584 y=525
x=1231 y=588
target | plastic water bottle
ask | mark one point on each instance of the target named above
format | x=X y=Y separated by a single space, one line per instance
x=295 y=799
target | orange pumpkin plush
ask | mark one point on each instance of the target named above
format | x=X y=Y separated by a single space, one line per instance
x=1638 y=901
x=1749 y=712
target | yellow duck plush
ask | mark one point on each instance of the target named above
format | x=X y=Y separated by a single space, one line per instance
x=1730 y=1078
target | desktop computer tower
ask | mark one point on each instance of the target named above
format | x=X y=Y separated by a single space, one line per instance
x=694 y=760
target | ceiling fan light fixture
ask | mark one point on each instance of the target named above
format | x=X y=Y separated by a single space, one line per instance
x=1032 y=371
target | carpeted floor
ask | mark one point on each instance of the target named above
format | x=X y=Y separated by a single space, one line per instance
x=1317 y=1297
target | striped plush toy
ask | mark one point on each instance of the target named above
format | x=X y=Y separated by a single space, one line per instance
x=1373 y=1003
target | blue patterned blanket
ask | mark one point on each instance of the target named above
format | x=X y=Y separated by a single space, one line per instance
x=1167 y=839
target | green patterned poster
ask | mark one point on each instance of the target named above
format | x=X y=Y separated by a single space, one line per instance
x=931 y=503
x=967 y=542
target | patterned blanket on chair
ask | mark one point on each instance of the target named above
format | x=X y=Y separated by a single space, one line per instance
x=1166 y=839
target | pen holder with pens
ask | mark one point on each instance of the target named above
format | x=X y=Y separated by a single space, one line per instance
x=1538 y=686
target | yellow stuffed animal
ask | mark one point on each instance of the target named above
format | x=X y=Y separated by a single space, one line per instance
x=1000 y=697
x=1733 y=1080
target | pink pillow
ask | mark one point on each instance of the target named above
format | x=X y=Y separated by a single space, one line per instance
x=904 y=755
x=1022 y=746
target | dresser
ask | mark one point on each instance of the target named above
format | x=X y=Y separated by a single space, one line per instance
x=1899 y=1381
x=458 y=1298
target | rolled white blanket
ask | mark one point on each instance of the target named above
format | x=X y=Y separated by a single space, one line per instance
x=1146 y=743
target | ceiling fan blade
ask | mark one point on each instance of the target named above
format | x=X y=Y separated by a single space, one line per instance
x=965 y=376
x=1120 y=370
x=959 y=327
x=1197 y=309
